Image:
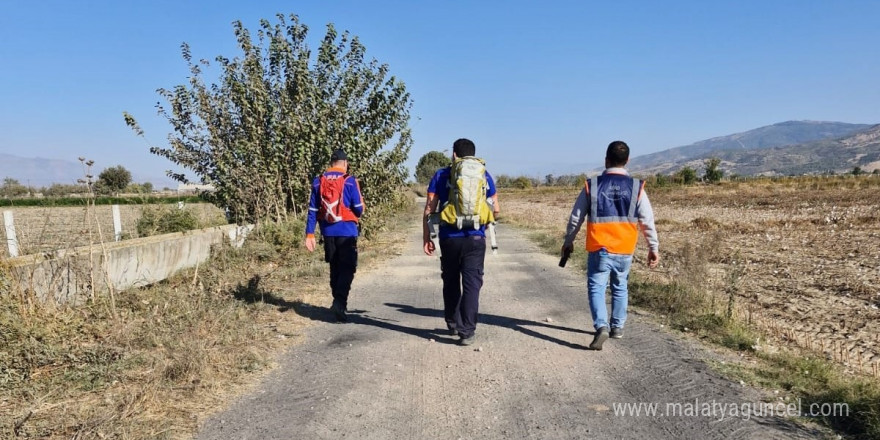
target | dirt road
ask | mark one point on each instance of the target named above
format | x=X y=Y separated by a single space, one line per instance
x=393 y=373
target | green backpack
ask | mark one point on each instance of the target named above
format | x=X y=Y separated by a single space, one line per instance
x=467 y=206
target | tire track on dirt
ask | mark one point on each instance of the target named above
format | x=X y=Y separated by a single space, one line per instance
x=393 y=372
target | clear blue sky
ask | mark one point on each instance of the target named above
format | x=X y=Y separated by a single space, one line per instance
x=539 y=86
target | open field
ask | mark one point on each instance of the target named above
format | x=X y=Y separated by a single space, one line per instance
x=42 y=229
x=801 y=257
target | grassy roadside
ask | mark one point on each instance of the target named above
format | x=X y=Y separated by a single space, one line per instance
x=162 y=358
x=680 y=301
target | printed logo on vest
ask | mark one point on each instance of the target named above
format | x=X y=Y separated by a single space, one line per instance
x=614 y=192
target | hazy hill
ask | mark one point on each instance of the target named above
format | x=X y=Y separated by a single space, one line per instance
x=751 y=147
x=838 y=155
x=38 y=171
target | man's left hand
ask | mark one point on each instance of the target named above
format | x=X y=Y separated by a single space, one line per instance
x=653 y=259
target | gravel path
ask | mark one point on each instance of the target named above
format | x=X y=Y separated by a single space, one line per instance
x=393 y=373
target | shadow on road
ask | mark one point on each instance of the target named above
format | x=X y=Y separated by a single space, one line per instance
x=253 y=293
x=362 y=317
x=516 y=324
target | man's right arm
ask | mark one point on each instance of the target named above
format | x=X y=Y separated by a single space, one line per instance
x=430 y=207
x=312 y=219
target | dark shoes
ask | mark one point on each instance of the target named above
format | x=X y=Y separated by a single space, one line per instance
x=339 y=312
x=616 y=332
x=599 y=338
x=452 y=330
x=466 y=340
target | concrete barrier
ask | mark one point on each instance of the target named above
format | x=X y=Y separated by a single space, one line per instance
x=70 y=275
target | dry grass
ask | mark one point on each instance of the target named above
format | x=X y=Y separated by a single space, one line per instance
x=41 y=229
x=173 y=353
x=786 y=272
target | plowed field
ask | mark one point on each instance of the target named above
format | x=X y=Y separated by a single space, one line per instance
x=808 y=253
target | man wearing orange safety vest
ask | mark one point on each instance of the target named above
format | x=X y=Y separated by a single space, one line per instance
x=616 y=208
x=336 y=205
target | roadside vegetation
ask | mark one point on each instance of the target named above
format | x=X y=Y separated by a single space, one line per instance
x=151 y=362
x=699 y=290
x=162 y=358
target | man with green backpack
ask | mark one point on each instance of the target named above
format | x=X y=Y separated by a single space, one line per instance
x=461 y=203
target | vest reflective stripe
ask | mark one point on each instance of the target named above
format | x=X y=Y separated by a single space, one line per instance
x=608 y=226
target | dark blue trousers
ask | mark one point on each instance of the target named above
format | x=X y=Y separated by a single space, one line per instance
x=461 y=267
x=342 y=254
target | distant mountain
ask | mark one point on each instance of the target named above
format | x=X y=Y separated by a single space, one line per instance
x=861 y=149
x=751 y=147
x=38 y=171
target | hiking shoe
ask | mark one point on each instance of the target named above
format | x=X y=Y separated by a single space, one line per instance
x=339 y=312
x=599 y=338
x=616 y=332
x=452 y=330
x=466 y=340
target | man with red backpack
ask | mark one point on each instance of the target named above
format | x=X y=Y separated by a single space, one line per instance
x=336 y=205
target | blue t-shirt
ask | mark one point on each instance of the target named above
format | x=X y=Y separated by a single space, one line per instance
x=439 y=186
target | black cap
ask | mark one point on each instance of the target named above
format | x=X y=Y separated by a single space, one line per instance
x=338 y=154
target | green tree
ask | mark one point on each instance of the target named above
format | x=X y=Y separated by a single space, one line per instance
x=661 y=179
x=64 y=190
x=686 y=175
x=113 y=179
x=857 y=171
x=522 y=182
x=139 y=188
x=713 y=174
x=549 y=180
x=429 y=164
x=262 y=133
x=12 y=188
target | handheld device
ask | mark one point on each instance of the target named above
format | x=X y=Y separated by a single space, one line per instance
x=565 y=255
x=492 y=240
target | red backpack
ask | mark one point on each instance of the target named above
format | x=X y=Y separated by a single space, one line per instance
x=333 y=209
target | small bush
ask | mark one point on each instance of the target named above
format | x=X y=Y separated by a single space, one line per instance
x=271 y=241
x=155 y=221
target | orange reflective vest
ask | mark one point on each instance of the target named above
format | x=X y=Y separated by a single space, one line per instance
x=613 y=223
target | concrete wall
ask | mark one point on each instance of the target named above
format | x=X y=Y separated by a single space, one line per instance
x=67 y=276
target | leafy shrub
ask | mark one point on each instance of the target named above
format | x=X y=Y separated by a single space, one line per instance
x=686 y=175
x=165 y=220
x=522 y=182
x=271 y=240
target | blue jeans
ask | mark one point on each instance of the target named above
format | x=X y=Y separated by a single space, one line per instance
x=601 y=266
